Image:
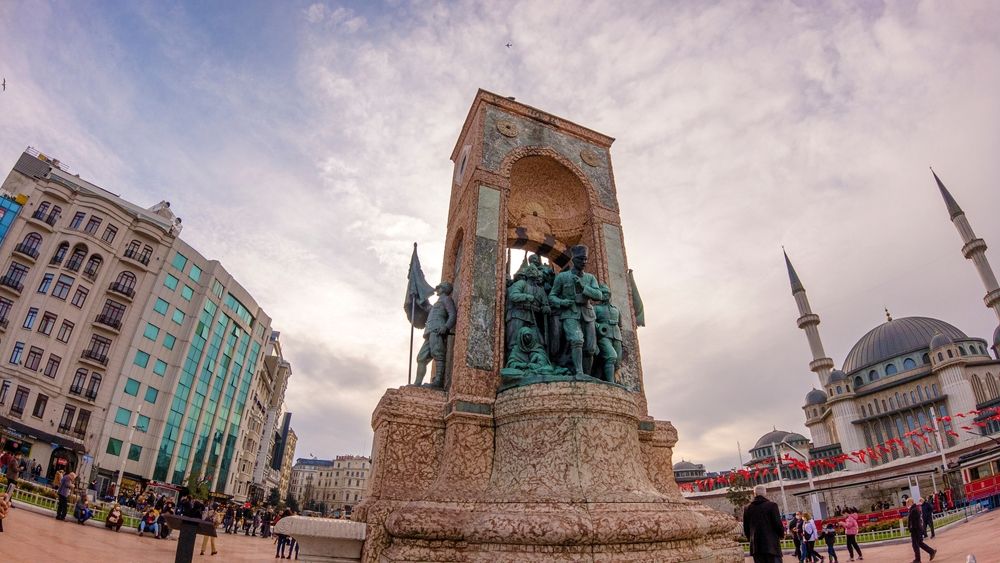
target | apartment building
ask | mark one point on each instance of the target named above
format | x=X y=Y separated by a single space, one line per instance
x=330 y=485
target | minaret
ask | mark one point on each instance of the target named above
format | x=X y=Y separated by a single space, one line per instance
x=974 y=248
x=808 y=321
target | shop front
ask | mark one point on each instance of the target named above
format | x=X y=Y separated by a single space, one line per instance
x=52 y=452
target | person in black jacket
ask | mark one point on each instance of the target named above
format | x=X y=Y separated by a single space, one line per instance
x=927 y=512
x=915 y=524
x=762 y=526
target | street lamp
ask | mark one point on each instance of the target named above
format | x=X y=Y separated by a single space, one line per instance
x=781 y=481
x=813 y=497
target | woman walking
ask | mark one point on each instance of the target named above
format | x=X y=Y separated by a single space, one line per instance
x=209 y=516
x=851 y=531
x=809 y=536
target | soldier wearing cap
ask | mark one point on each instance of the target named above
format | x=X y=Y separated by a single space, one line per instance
x=572 y=292
x=440 y=322
x=609 y=334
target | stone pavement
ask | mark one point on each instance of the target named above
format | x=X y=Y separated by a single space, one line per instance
x=32 y=537
x=980 y=536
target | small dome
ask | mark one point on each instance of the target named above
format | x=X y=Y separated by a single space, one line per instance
x=815 y=397
x=996 y=336
x=837 y=375
x=687 y=466
x=776 y=436
x=940 y=340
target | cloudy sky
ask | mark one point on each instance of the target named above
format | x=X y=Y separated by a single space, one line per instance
x=306 y=146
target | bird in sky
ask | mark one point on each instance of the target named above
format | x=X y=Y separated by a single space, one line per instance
x=5 y=84
x=509 y=45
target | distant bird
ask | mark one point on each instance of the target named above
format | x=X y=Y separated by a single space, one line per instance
x=5 y=84
x=509 y=45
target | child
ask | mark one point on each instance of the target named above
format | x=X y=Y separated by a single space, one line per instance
x=830 y=536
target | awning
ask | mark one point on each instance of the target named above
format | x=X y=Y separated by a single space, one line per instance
x=26 y=431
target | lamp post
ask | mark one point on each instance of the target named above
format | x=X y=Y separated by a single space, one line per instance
x=781 y=481
x=813 y=498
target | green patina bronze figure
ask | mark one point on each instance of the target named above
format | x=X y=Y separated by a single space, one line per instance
x=528 y=362
x=527 y=305
x=440 y=322
x=609 y=336
x=572 y=292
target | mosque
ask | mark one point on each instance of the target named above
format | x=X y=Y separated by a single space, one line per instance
x=902 y=376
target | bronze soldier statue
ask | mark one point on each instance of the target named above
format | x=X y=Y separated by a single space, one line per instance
x=572 y=291
x=609 y=335
x=527 y=305
x=440 y=322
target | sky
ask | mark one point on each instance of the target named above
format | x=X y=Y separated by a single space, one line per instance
x=306 y=146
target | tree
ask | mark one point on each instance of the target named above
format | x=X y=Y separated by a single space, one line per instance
x=274 y=497
x=291 y=502
x=740 y=491
x=197 y=488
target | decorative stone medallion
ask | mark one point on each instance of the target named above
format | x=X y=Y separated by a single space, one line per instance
x=590 y=158
x=507 y=128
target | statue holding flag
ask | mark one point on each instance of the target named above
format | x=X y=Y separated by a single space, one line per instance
x=440 y=322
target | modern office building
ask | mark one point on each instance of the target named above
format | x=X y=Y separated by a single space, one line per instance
x=123 y=351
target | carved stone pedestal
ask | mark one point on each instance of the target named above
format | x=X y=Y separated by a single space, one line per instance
x=570 y=481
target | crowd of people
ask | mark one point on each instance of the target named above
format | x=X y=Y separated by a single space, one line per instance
x=14 y=466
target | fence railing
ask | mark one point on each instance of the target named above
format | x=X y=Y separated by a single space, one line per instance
x=940 y=519
x=100 y=509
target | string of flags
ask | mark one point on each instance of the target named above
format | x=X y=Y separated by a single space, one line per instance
x=919 y=439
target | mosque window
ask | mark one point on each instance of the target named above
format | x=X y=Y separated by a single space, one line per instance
x=872 y=375
x=977 y=389
x=991 y=386
x=863 y=415
x=950 y=354
x=926 y=359
x=913 y=397
x=858 y=382
x=908 y=363
x=884 y=408
x=961 y=350
x=871 y=410
x=920 y=394
x=940 y=357
x=839 y=391
x=892 y=403
x=890 y=369
x=934 y=389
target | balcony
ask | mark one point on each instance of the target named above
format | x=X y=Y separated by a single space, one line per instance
x=13 y=282
x=48 y=220
x=29 y=250
x=122 y=289
x=64 y=429
x=110 y=321
x=91 y=395
x=76 y=389
x=90 y=274
x=4 y=323
x=138 y=256
x=80 y=433
x=95 y=357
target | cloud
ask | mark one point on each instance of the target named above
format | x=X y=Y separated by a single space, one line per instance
x=308 y=160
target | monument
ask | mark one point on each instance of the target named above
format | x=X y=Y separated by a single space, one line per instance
x=532 y=442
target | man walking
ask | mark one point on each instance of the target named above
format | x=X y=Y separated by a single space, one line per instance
x=927 y=512
x=762 y=526
x=915 y=524
x=65 y=488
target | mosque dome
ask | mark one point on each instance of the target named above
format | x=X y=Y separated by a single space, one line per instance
x=940 y=340
x=996 y=336
x=837 y=375
x=815 y=397
x=775 y=436
x=895 y=338
x=687 y=466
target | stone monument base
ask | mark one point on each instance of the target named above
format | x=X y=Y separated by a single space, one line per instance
x=576 y=475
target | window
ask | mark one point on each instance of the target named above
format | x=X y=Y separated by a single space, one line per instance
x=160 y=367
x=940 y=357
x=78 y=380
x=131 y=387
x=93 y=266
x=217 y=288
x=170 y=282
x=161 y=306
x=69 y=411
x=908 y=363
x=123 y=416
x=934 y=389
x=134 y=451
x=950 y=354
x=34 y=358
x=147 y=251
x=29 y=245
x=112 y=314
x=4 y=387
x=114 y=446
x=52 y=366
x=109 y=234
x=41 y=401
x=77 y=220
x=29 y=319
x=141 y=423
x=178 y=316
x=179 y=261
x=82 y=421
x=5 y=306
x=151 y=394
x=46 y=283
x=890 y=369
x=961 y=351
x=168 y=341
x=187 y=293
x=20 y=399
x=141 y=359
x=195 y=273
x=152 y=331
x=99 y=346
x=47 y=324
x=76 y=258
x=79 y=297
x=61 y=290
x=15 y=354
x=15 y=276
x=125 y=284
x=95 y=385
x=65 y=331
x=92 y=225
x=925 y=359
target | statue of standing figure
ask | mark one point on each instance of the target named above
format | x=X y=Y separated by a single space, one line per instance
x=440 y=322
x=609 y=336
x=571 y=296
x=527 y=306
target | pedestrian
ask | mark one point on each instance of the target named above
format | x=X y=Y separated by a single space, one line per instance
x=4 y=507
x=795 y=530
x=762 y=527
x=13 y=468
x=915 y=524
x=229 y=520
x=208 y=515
x=927 y=513
x=256 y=522
x=115 y=518
x=809 y=536
x=65 y=488
x=851 y=531
x=830 y=537
x=82 y=511
x=282 y=538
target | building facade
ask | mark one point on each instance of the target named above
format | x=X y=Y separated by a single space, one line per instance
x=330 y=486
x=125 y=352
x=289 y=441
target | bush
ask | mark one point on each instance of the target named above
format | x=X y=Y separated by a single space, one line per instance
x=880 y=526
